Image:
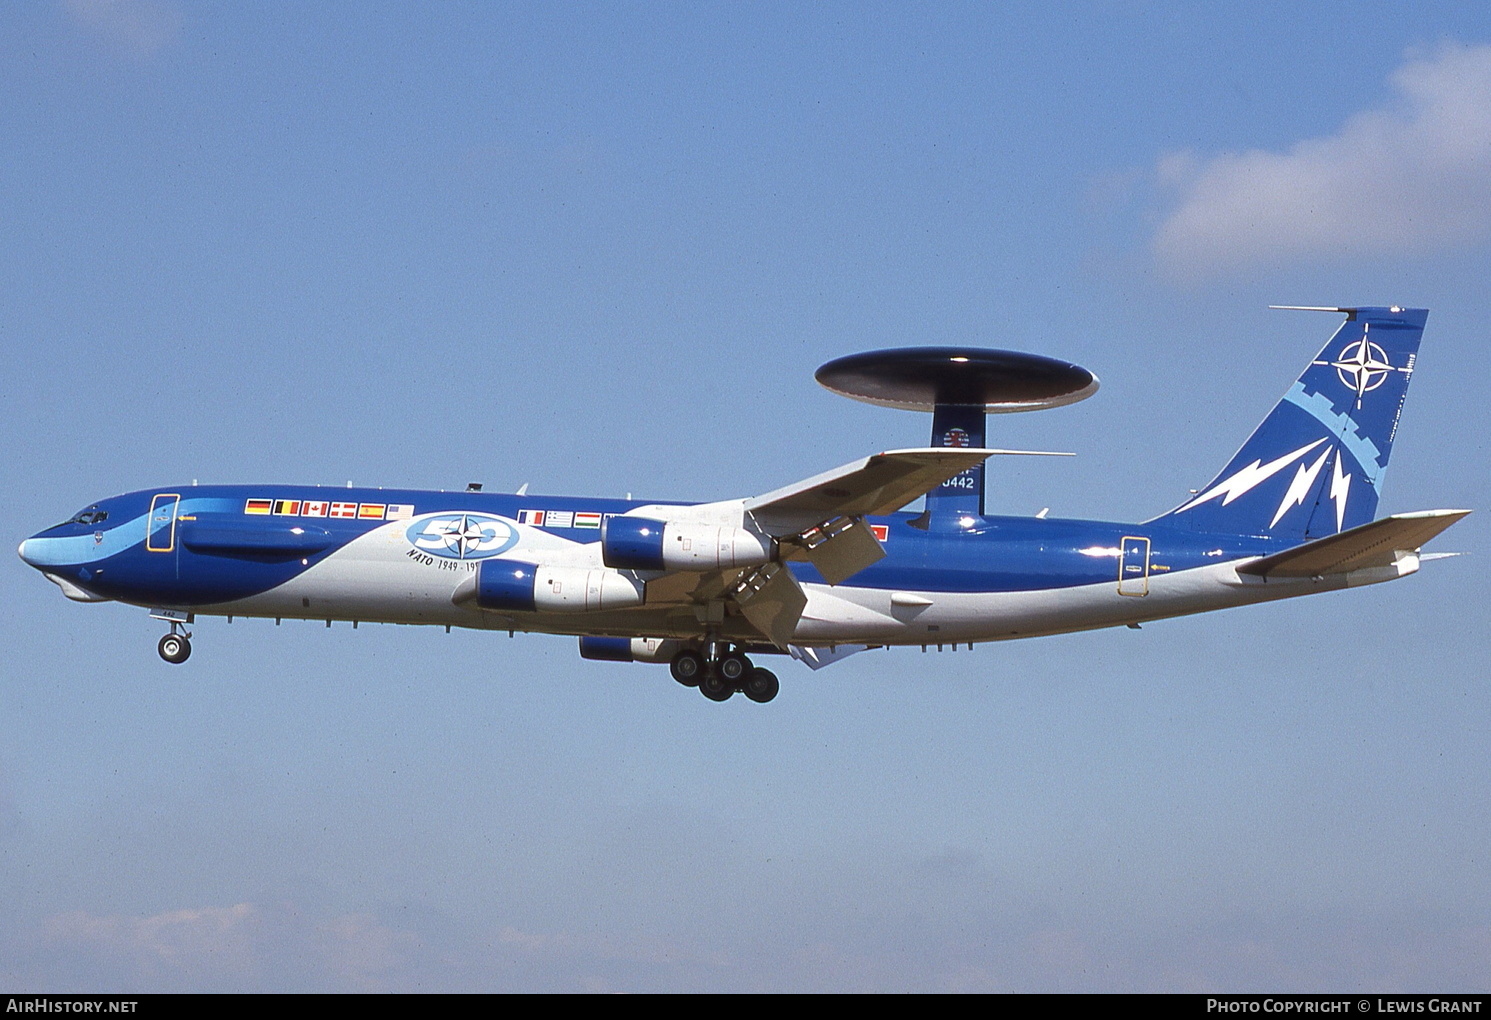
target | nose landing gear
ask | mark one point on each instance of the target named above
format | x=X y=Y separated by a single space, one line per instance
x=175 y=647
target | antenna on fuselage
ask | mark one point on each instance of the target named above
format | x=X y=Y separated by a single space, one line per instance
x=959 y=385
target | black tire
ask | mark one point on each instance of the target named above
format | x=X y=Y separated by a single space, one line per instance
x=174 y=648
x=761 y=685
x=733 y=667
x=687 y=667
x=715 y=687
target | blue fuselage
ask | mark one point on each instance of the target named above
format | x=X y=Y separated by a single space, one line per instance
x=215 y=545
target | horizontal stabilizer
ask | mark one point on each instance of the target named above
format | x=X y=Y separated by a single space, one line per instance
x=879 y=484
x=1370 y=545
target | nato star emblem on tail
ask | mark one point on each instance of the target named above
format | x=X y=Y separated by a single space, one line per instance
x=1363 y=366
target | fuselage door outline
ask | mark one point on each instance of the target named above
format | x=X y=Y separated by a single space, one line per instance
x=1133 y=566
x=162 y=522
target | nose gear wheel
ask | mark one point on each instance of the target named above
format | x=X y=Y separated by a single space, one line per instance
x=175 y=648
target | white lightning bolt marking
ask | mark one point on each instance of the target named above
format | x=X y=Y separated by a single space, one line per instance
x=1300 y=487
x=1243 y=481
x=1340 y=486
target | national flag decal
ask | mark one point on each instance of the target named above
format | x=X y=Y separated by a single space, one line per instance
x=314 y=508
x=287 y=507
x=399 y=511
x=882 y=531
x=257 y=506
x=562 y=518
x=371 y=511
x=344 y=509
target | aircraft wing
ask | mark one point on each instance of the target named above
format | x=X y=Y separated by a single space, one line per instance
x=820 y=520
x=1378 y=544
x=881 y=483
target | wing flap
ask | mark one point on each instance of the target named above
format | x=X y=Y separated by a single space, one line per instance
x=772 y=600
x=1369 y=545
x=841 y=549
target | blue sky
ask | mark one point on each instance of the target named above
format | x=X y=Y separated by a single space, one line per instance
x=601 y=249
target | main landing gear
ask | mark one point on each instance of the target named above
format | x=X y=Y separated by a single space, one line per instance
x=718 y=675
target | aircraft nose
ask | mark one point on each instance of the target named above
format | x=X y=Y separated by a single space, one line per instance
x=38 y=552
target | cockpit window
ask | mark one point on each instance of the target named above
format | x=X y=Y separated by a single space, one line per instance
x=90 y=516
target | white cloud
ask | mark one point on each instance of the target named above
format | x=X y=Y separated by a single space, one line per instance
x=1415 y=177
x=140 y=27
x=165 y=944
x=245 y=947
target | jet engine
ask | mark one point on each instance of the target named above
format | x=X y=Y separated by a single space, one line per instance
x=513 y=586
x=621 y=649
x=638 y=543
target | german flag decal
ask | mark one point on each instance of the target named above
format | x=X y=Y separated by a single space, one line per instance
x=257 y=506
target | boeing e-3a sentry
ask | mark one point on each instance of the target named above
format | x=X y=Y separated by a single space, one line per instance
x=818 y=569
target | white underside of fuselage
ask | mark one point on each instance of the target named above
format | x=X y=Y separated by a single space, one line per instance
x=375 y=578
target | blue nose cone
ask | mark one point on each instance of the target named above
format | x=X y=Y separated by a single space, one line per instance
x=48 y=552
x=30 y=552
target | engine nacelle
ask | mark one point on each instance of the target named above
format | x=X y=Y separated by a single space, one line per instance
x=621 y=649
x=638 y=543
x=514 y=586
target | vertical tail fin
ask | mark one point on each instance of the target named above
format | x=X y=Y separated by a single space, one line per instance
x=1314 y=467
